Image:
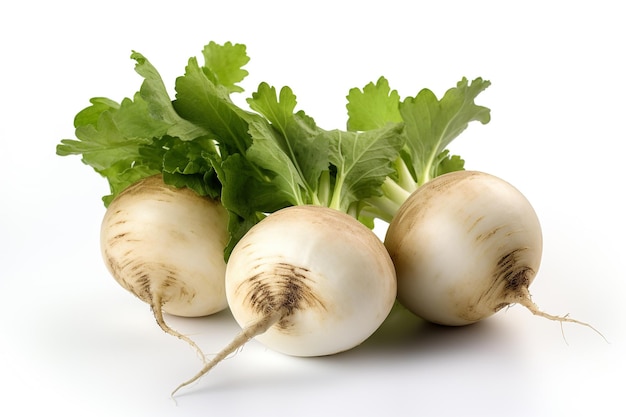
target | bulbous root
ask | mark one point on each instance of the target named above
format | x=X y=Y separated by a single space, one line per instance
x=157 y=310
x=247 y=333
x=525 y=300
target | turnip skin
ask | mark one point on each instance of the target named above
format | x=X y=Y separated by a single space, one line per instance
x=332 y=273
x=307 y=281
x=166 y=246
x=465 y=245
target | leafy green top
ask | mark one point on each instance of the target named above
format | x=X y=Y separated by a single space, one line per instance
x=430 y=125
x=271 y=155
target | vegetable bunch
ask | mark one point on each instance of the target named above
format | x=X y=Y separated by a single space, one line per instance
x=261 y=210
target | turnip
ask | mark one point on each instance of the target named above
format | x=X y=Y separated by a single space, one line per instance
x=307 y=281
x=166 y=246
x=308 y=278
x=465 y=245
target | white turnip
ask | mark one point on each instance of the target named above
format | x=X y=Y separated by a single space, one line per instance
x=465 y=245
x=307 y=281
x=166 y=246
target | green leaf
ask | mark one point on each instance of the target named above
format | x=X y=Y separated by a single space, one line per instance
x=102 y=145
x=110 y=153
x=205 y=104
x=267 y=153
x=448 y=163
x=292 y=145
x=246 y=194
x=128 y=141
x=90 y=115
x=278 y=110
x=431 y=124
x=224 y=64
x=363 y=161
x=121 y=176
x=185 y=165
x=373 y=107
x=159 y=105
x=134 y=120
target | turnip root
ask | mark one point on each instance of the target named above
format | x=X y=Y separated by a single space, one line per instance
x=166 y=246
x=465 y=245
x=307 y=281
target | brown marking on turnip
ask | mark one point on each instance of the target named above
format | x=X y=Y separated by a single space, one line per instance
x=488 y=234
x=475 y=223
x=282 y=285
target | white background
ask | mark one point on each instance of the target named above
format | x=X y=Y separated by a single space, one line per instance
x=74 y=342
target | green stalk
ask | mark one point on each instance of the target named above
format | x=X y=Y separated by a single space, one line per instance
x=352 y=210
x=323 y=188
x=405 y=178
x=387 y=205
x=335 y=201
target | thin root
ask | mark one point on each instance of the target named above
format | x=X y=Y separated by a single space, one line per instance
x=527 y=302
x=247 y=333
x=158 y=315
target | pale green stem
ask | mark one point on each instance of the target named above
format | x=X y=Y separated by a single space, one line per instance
x=386 y=206
x=395 y=192
x=379 y=208
x=405 y=179
x=323 y=190
x=335 y=201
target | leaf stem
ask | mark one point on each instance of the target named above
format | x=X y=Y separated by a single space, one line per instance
x=405 y=178
x=387 y=205
x=323 y=189
x=335 y=202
